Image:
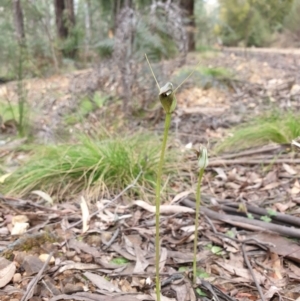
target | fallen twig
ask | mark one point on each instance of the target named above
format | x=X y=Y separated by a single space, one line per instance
x=251 y=152
x=220 y=162
x=35 y=280
x=280 y=217
x=246 y=223
x=252 y=273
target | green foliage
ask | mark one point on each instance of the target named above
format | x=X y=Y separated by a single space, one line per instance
x=250 y=216
x=215 y=249
x=100 y=167
x=271 y=212
x=105 y=47
x=200 y=292
x=266 y=219
x=119 y=260
x=251 y=22
x=291 y=20
x=86 y=106
x=278 y=127
x=153 y=40
x=206 y=77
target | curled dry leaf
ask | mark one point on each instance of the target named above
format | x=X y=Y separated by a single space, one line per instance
x=289 y=169
x=7 y=271
x=164 y=209
x=45 y=196
x=101 y=282
x=85 y=215
x=296 y=188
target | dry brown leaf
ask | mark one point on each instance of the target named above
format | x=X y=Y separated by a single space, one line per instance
x=101 y=282
x=220 y=173
x=163 y=298
x=7 y=271
x=181 y=195
x=282 y=207
x=271 y=292
x=181 y=291
x=270 y=178
x=232 y=185
x=163 y=259
x=244 y=273
x=141 y=261
x=280 y=245
x=45 y=196
x=78 y=266
x=85 y=215
x=276 y=265
x=296 y=187
x=271 y=186
x=289 y=169
x=164 y=209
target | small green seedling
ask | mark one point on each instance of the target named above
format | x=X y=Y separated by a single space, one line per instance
x=266 y=218
x=168 y=102
x=214 y=249
x=119 y=260
x=200 y=292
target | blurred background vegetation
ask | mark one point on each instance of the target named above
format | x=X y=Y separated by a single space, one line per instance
x=53 y=35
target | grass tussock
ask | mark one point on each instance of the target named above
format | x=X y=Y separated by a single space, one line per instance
x=98 y=167
x=205 y=77
x=279 y=128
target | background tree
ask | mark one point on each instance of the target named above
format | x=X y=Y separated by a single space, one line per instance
x=65 y=24
x=251 y=22
x=291 y=22
x=188 y=8
x=19 y=22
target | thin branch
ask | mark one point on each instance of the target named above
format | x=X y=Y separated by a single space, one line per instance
x=252 y=274
x=35 y=280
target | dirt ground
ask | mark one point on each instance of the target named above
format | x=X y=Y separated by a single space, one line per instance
x=249 y=226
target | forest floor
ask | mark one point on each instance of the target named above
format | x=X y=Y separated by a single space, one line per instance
x=250 y=215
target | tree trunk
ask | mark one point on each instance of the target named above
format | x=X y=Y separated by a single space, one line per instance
x=19 y=22
x=65 y=22
x=117 y=7
x=188 y=7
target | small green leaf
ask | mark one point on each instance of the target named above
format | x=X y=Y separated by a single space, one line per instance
x=119 y=260
x=216 y=250
x=183 y=269
x=200 y=292
x=266 y=219
x=230 y=233
x=250 y=216
x=271 y=212
x=202 y=274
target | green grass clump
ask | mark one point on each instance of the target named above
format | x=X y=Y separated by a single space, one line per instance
x=99 y=167
x=279 y=128
x=206 y=77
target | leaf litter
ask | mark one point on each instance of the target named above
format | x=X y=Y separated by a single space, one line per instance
x=249 y=226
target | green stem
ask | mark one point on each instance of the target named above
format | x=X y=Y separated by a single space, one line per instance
x=157 y=202
x=198 y=202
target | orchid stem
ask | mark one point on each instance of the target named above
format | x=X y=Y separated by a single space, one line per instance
x=157 y=203
x=198 y=202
